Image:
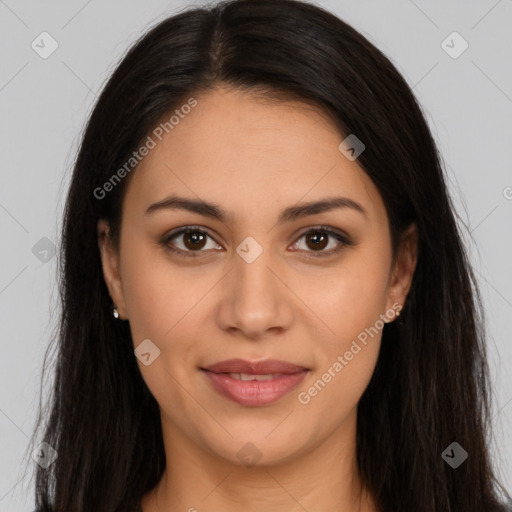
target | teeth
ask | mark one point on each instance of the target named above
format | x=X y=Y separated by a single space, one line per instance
x=249 y=376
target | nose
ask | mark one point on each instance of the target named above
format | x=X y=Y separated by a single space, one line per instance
x=255 y=299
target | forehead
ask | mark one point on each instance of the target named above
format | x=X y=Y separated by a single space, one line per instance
x=250 y=155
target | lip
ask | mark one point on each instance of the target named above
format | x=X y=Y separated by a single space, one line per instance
x=255 y=368
x=255 y=393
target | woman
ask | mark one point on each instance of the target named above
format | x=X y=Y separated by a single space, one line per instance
x=266 y=301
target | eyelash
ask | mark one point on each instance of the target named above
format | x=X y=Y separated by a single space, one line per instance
x=344 y=241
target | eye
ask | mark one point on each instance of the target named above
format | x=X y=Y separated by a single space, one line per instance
x=318 y=238
x=194 y=240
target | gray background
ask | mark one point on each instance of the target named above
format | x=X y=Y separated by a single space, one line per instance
x=44 y=103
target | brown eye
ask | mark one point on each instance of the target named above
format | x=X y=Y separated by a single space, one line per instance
x=190 y=240
x=317 y=239
x=194 y=239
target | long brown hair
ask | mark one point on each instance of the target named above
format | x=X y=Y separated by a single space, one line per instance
x=430 y=386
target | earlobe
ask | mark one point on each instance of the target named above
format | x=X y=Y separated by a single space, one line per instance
x=110 y=266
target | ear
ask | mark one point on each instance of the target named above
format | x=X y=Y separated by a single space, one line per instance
x=403 y=271
x=110 y=264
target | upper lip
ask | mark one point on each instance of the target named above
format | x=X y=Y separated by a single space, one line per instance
x=255 y=368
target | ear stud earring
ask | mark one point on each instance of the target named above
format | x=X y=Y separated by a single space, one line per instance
x=115 y=312
x=387 y=321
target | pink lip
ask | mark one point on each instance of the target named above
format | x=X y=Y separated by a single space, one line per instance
x=255 y=368
x=255 y=393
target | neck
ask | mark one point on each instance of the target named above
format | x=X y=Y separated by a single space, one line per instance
x=325 y=478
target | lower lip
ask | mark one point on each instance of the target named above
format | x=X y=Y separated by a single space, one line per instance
x=254 y=392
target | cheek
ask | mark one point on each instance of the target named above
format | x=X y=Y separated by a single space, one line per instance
x=350 y=303
x=144 y=295
x=346 y=360
x=334 y=392
x=351 y=296
x=162 y=303
x=156 y=296
x=367 y=277
x=160 y=308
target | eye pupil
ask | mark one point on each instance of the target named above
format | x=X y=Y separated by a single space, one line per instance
x=316 y=236
x=195 y=236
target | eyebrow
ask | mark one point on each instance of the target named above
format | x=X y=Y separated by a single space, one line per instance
x=289 y=214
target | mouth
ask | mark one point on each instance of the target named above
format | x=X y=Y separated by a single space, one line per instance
x=254 y=383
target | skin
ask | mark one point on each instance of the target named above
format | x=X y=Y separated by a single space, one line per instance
x=255 y=158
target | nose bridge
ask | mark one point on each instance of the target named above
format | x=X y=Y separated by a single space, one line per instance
x=255 y=284
x=255 y=301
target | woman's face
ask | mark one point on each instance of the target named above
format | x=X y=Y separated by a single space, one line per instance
x=254 y=284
